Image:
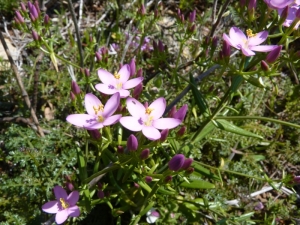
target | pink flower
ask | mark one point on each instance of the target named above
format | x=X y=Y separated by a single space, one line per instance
x=118 y=82
x=98 y=115
x=148 y=119
x=64 y=205
x=239 y=40
x=291 y=16
x=280 y=4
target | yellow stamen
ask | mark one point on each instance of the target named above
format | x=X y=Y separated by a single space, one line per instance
x=97 y=109
x=100 y=119
x=149 y=121
x=148 y=111
x=119 y=86
x=64 y=204
x=249 y=33
x=117 y=76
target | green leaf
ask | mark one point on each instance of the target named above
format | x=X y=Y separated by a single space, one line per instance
x=227 y=126
x=205 y=172
x=198 y=136
x=200 y=100
x=196 y=182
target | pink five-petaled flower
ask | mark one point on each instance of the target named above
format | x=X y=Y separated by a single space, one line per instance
x=280 y=4
x=148 y=119
x=118 y=82
x=98 y=115
x=64 y=205
x=239 y=40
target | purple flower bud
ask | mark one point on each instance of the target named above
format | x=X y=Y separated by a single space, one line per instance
x=148 y=179
x=104 y=51
x=16 y=20
x=182 y=18
x=215 y=41
x=161 y=46
x=120 y=149
x=100 y=185
x=35 y=35
x=172 y=111
x=273 y=55
x=75 y=88
x=142 y=10
x=139 y=73
x=23 y=7
x=296 y=179
x=95 y=134
x=168 y=179
x=69 y=186
x=37 y=7
x=145 y=154
x=264 y=66
x=132 y=67
x=284 y=14
x=155 y=13
x=259 y=206
x=46 y=20
x=187 y=163
x=176 y=162
x=298 y=13
x=252 y=4
x=163 y=135
x=19 y=17
x=137 y=91
x=98 y=56
x=33 y=11
x=146 y=105
x=136 y=185
x=226 y=49
x=132 y=143
x=100 y=194
x=189 y=170
x=32 y=18
x=180 y=114
x=72 y=96
x=179 y=13
x=87 y=72
x=192 y=28
x=192 y=16
x=181 y=131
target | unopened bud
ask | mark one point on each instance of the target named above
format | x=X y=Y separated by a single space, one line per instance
x=192 y=28
x=145 y=154
x=19 y=17
x=35 y=35
x=132 y=143
x=95 y=134
x=37 y=7
x=142 y=10
x=172 y=111
x=87 y=72
x=181 y=131
x=192 y=16
x=139 y=72
x=132 y=67
x=75 y=88
x=23 y=7
x=252 y=4
x=187 y=163
x=180 y=114
x=226 y=49
x=163 y=135
x=264 y=66
x=120 y=149
x=137 y=91
x=136 y=185
x=46 y=20
x=69 y=186
x=72 y=96
x=148 y=179
x=273 y=55
x=168 y=179
x=98 y=56
x=100 y=194
x=176 y=162
x=161 y=46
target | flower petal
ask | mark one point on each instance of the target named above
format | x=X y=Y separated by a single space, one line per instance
x=158 y=107
x=103 y=88
x=247 y=51
x=73 y=211
x=106 y=77
x=135 y=108
x=59 y=192
x=112 y=120
x=258 y=39
x=131 y=123
x=237 y=36
x=263 y=48
x=151 y=133
x=61 y=216
x=166 y=123
x=124 y=73
x=73 y=197
x=229 y=41
x=91 y=101
x=133 y=83
x=111 y=105
x=82 y=120
x=95 y=126
x=123 y=93
x=51 y=207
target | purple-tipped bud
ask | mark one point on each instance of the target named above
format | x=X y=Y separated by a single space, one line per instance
x=46 y=20
x=168 y=179
x=273 y=55
x=182 y=18
x=23 y=7
x=252 y=4
x=19 y=17
x=104 y=51
x=132 y=67
x=155 y=213
x=190 y=170
x=91 y=39
x=95 y=134
x=155 y=13
x=136 y=185
x=132 y=143
x=192 y=28
x=33 y=11
x=137 y=91
x=37 y=7
x=284 y=14
x=72 y=96
x=146 y=105
x=161 y=46
x=35 y=35
x=192 y=16
x=139 y=73
x=75 y=88
x=98 y=56
x=215 y=41
x=120 y=149
x=163 y=135
x=145 y=154
x=32 y=18
x=259 y=206
x=187 y=163
x=180 y=114
x=148 y=179
x=264 y=66
x=176 y=162
x=181 y=131
x=87 y=72
x=100 y=185
x=69 y=186
x=142 y=10
x=179 y=13
x=226 y=49
x=172 y=111
x=100 y=194
x=17 y=21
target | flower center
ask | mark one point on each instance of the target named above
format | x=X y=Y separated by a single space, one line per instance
x=148 y=122
x=119 y=85
x=64 y=204
x=117 y=75
x=249 y=33
x=98 y=109
x=148 y=111
x=100 y=119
